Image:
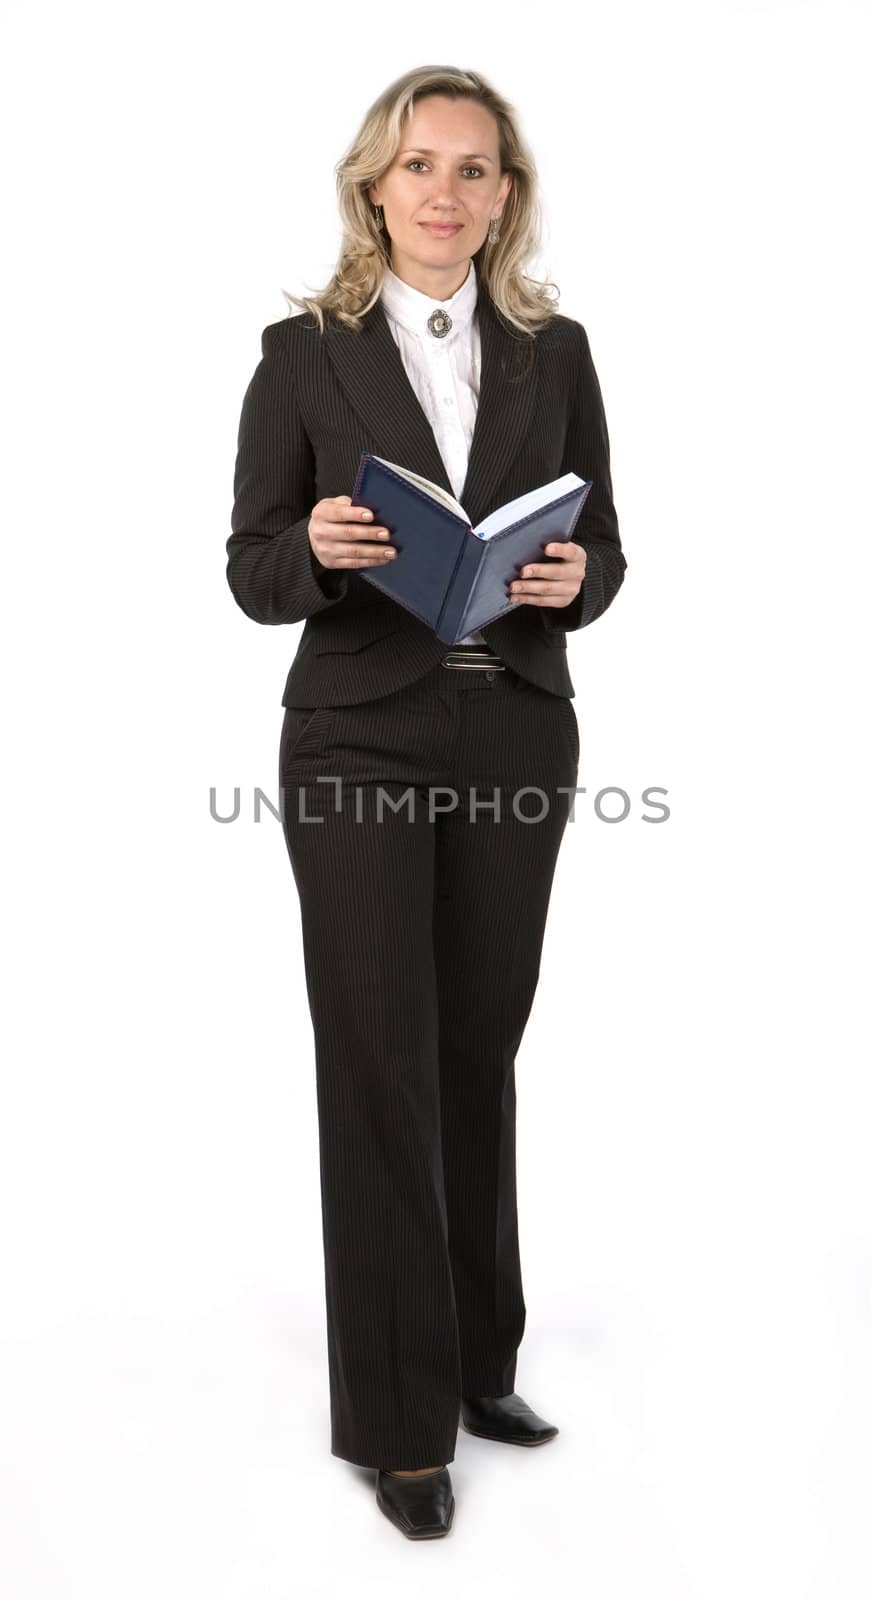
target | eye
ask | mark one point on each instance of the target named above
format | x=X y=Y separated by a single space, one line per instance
x=418 y=163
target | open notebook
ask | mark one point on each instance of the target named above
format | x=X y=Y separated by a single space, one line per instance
x=451 y=575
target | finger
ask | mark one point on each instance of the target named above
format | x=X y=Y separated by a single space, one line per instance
x=350 y=524
x=340 y=511
x=545 y=571
x=348 y=513
x=345 y=533
x=567 y=550
x=548 y=571
x=553 y=583
x=351 y=533
x=538 y=586
x=346 y=552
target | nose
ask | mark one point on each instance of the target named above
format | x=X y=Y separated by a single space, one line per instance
x=443 y=200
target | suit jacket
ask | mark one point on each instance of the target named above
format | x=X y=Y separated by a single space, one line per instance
x=315 y=401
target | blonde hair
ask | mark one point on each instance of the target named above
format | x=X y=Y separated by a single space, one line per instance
x=357 y=280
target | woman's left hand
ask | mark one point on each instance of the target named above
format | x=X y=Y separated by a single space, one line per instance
x=552 y=584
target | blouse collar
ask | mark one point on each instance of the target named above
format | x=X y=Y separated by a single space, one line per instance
x=412 y=308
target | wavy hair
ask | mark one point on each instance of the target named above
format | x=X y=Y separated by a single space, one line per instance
x=356 y=282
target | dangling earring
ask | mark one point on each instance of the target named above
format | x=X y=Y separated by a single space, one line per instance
x=493 y=235
x=379 y=216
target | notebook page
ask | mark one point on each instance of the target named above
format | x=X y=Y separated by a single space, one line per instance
x=435 y=489
x=525 y=504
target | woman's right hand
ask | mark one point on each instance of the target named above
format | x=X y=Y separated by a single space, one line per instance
x=339 y=534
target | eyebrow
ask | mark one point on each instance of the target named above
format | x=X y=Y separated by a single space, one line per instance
x=475 y=155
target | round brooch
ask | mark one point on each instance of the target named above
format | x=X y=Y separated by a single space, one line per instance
x=439 y=323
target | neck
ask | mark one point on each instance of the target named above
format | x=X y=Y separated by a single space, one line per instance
x=437 y=282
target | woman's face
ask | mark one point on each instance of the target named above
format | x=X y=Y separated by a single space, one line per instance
x=446 y=170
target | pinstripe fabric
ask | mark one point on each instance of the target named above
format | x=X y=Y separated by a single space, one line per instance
x=316 y=401
x=422 y=935
x=422 y=927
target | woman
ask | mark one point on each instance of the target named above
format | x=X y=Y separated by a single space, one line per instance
x=424 y=789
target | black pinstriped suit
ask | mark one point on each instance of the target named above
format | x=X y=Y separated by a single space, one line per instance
x=316 y=401
x=422 y=924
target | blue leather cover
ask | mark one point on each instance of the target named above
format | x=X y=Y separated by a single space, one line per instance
x=442 y=571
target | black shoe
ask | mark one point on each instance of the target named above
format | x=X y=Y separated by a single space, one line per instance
x=506 y=1418
x=422 y=1508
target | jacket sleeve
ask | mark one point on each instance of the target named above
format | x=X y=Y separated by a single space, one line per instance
x=272 y=569
x=587 y=452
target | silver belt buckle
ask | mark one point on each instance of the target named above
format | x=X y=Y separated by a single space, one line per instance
x=473 y=658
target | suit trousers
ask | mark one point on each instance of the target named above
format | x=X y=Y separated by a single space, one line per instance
x=423 y=830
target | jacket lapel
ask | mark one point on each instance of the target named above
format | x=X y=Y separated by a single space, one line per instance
x=370 y=369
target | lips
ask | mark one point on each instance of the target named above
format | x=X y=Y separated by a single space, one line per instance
x=442 y=230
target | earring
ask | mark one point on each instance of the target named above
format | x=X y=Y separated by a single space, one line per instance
x=379 y=216
x=493 y=235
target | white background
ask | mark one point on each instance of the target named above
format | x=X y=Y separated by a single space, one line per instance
x=692 y=1100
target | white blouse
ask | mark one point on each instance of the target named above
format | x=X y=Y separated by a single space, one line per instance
x=445 y=373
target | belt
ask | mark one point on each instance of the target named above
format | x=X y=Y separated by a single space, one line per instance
x=473 y=657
